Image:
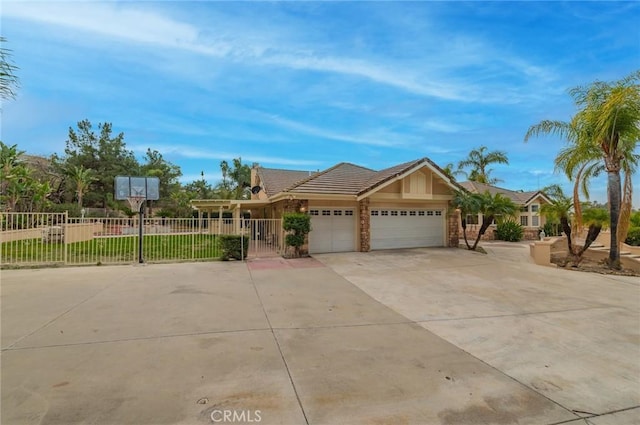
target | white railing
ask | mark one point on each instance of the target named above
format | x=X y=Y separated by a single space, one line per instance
x=40 y=239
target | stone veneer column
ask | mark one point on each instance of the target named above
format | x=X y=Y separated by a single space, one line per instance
x=453 y=227
x=365 y=226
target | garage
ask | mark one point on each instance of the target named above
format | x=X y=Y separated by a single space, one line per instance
x=333 y=230
x=406 y=228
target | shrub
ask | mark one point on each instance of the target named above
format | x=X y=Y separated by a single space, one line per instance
x=72 y=209
x=232 y=246
x=633 y=237
x=596 y=216
x=163 y=213
x=509 y=231
x=635 y=219
x=552 y=229
x=299 y=224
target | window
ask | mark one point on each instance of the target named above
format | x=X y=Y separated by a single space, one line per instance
x=326 y=212
x=524 y=209
x=535 y=208
x=438 y=213
x=384 y=212
x=314 y=212
x=403 y=213
x=394 y=213
x=337 y=212
x=534 y=221
x=348 y=212
x=524 y=220
x=374 y=213
x=429 y=213
x=420 y=213
x=412 y=213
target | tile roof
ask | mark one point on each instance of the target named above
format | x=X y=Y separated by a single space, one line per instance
x=342 y=179
x=515 y=196
x=274 y=180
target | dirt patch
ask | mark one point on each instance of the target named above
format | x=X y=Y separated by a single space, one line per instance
x=592 y=266
x=478 y=248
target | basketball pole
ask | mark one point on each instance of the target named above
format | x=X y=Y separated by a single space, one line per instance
x=140 y=211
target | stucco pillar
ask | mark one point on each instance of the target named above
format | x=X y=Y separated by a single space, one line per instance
x=365 y=226
x=453 y=227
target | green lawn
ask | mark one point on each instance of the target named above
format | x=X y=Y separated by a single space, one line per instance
x=121 y=249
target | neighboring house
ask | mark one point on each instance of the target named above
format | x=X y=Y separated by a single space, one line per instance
x=529 y=204
x=354 y=208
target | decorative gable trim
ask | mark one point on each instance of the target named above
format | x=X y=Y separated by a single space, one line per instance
x=401 y=175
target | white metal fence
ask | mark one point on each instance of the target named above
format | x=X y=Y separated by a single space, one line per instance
x=42 y=239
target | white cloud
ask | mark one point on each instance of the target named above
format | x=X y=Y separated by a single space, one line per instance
x=144 y=26
x=196 y=153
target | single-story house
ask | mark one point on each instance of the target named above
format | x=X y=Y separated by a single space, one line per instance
x=354 y=208
x=529 y=204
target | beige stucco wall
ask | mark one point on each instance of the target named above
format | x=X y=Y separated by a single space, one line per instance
x=18 y=235
x=81 y=231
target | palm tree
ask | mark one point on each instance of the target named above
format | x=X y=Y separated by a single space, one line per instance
x=491 y=208
x=82 y=177
x=605 y=130
x=451 y=172
x=8 y=79
x=468 y=204
x=479 y=159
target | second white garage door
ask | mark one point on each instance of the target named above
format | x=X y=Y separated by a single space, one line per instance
x=406 y=228
x=333 y=230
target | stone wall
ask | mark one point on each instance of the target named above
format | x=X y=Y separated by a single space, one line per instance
x=365 y=226
x=453 y=228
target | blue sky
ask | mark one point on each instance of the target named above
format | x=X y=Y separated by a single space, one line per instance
x=305 y=85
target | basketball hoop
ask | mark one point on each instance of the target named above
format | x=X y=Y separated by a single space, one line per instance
x=135 y=202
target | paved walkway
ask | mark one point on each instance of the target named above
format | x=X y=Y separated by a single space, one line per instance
x=408 y=337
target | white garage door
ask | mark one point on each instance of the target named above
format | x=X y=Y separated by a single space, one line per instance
x=333 y=230
x=406 y=228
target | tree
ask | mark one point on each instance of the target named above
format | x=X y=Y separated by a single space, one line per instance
x=492 y=207
x=9 y=163
x=167 y=173
x=235 y=180
x=103 y=153
x=468 y=204
x=82 y=179
x=298 y=226
x=9 y=82
x=479 y=159
x=451 y=172
x=606 y=129
x=156 y=166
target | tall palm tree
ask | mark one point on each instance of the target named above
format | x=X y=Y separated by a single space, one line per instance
x=82 y=178
x=479 y=159
x=451 y=172
x=8 y=80
x=605 y=129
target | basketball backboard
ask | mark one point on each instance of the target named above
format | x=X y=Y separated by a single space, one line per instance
x=137 y=187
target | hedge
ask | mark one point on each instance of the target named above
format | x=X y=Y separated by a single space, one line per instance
x=230 y=247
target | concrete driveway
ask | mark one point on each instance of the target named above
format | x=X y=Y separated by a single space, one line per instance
x=431 y=336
